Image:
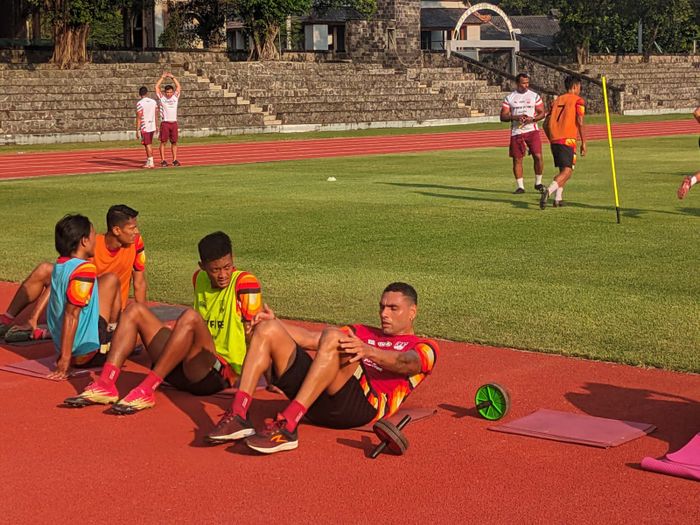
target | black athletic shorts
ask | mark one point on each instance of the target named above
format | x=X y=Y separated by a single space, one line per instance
x=96 y=358
x=348 y=408
x=564 y=156
x=212 y=383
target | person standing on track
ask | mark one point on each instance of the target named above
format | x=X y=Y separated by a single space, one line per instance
x=168 y=99
x=692 y=180
x=359 y=374
x=146 y=123
x=563 y=124
x=523 y=108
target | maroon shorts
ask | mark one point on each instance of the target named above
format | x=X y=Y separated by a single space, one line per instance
x=168 y=132
x=147 y=137
x=520 y=144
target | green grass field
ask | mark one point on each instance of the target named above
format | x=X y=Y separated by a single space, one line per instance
x=258 y=137
x=490 y=267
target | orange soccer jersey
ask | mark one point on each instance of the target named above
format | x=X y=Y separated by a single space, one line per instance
x=121 y=262
x=562 y=119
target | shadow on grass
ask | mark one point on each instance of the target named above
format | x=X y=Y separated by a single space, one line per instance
x=519 y=203
x=677 y=417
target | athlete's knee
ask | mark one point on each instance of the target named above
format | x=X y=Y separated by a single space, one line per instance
x=269 y=330
x=42 y=273
x=189 y=319
x=330 y=338
x=134 y=312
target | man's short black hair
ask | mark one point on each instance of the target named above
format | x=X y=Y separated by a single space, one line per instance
x=143 y=90
x=214 y=246
x=571 y=81
x=119 y=214
x=521 y=75
x=404 y=288
x=70 y=230
x=167 y=87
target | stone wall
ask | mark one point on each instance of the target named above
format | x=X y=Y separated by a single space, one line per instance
x=391 y=36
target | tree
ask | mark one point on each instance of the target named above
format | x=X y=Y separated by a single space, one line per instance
x=669 y=23
x=196 y=20
x=70 y=21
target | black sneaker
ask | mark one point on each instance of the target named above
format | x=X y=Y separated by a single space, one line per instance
x=176 y=162
x=163 y=163
x=518 y=191
x=539 y=187
x=558 y=204
x=543 y=199
x=230 y=427
x=275 y=438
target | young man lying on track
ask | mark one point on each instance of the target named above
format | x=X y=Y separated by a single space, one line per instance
x=359 y=373
x=204 y=351
x=119 y=251
x=80 y=304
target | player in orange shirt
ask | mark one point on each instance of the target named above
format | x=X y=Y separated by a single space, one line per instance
x=692 y=180
x=119 y=251
x=563 y=125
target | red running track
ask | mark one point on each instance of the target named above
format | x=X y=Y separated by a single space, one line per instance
x=69 y=466
x=21 y=166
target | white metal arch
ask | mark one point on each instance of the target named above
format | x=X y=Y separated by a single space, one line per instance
x=483 y=6
x=455 y=45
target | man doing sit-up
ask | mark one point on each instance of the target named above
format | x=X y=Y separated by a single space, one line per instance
x=203 y=352
x=359 y=373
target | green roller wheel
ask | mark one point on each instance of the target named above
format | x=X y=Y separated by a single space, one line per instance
x=492 y=401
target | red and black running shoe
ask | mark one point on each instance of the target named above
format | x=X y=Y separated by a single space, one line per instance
x=230 y=428
x=275 y=437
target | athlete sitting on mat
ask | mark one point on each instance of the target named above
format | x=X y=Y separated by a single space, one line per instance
x=204 y=351
x=80 y=303
x=119 y=251
x=359 y=373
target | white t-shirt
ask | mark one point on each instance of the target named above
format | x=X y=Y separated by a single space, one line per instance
x=522 y=104
x=168 y=107
x=146 y=110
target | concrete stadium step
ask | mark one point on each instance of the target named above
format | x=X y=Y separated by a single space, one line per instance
x=385 y=105
x=335 y=117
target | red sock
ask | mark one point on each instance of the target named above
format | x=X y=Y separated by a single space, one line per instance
x=151 y=382
x=241 y=403
x=293 y=414
x=109 y=374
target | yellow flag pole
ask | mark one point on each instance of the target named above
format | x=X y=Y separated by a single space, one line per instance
x=612 y=150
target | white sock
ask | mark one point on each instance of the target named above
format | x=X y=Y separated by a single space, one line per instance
x=553 y=188
x=150 y=160
x=521 y=183
x=693 y=180
x=538 y=179
x=560 y=191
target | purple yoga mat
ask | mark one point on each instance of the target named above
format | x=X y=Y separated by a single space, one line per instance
x=41 y=368
x=684 y=463
x=576 y=428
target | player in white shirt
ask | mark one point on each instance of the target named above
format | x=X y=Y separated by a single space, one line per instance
x=168 y=99
x=146 y=123
x=523 y=108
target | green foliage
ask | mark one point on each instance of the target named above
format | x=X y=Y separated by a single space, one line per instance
x=108 y=30
x=611 y=25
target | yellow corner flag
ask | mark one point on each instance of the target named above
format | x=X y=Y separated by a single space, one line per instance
x=612 y=150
